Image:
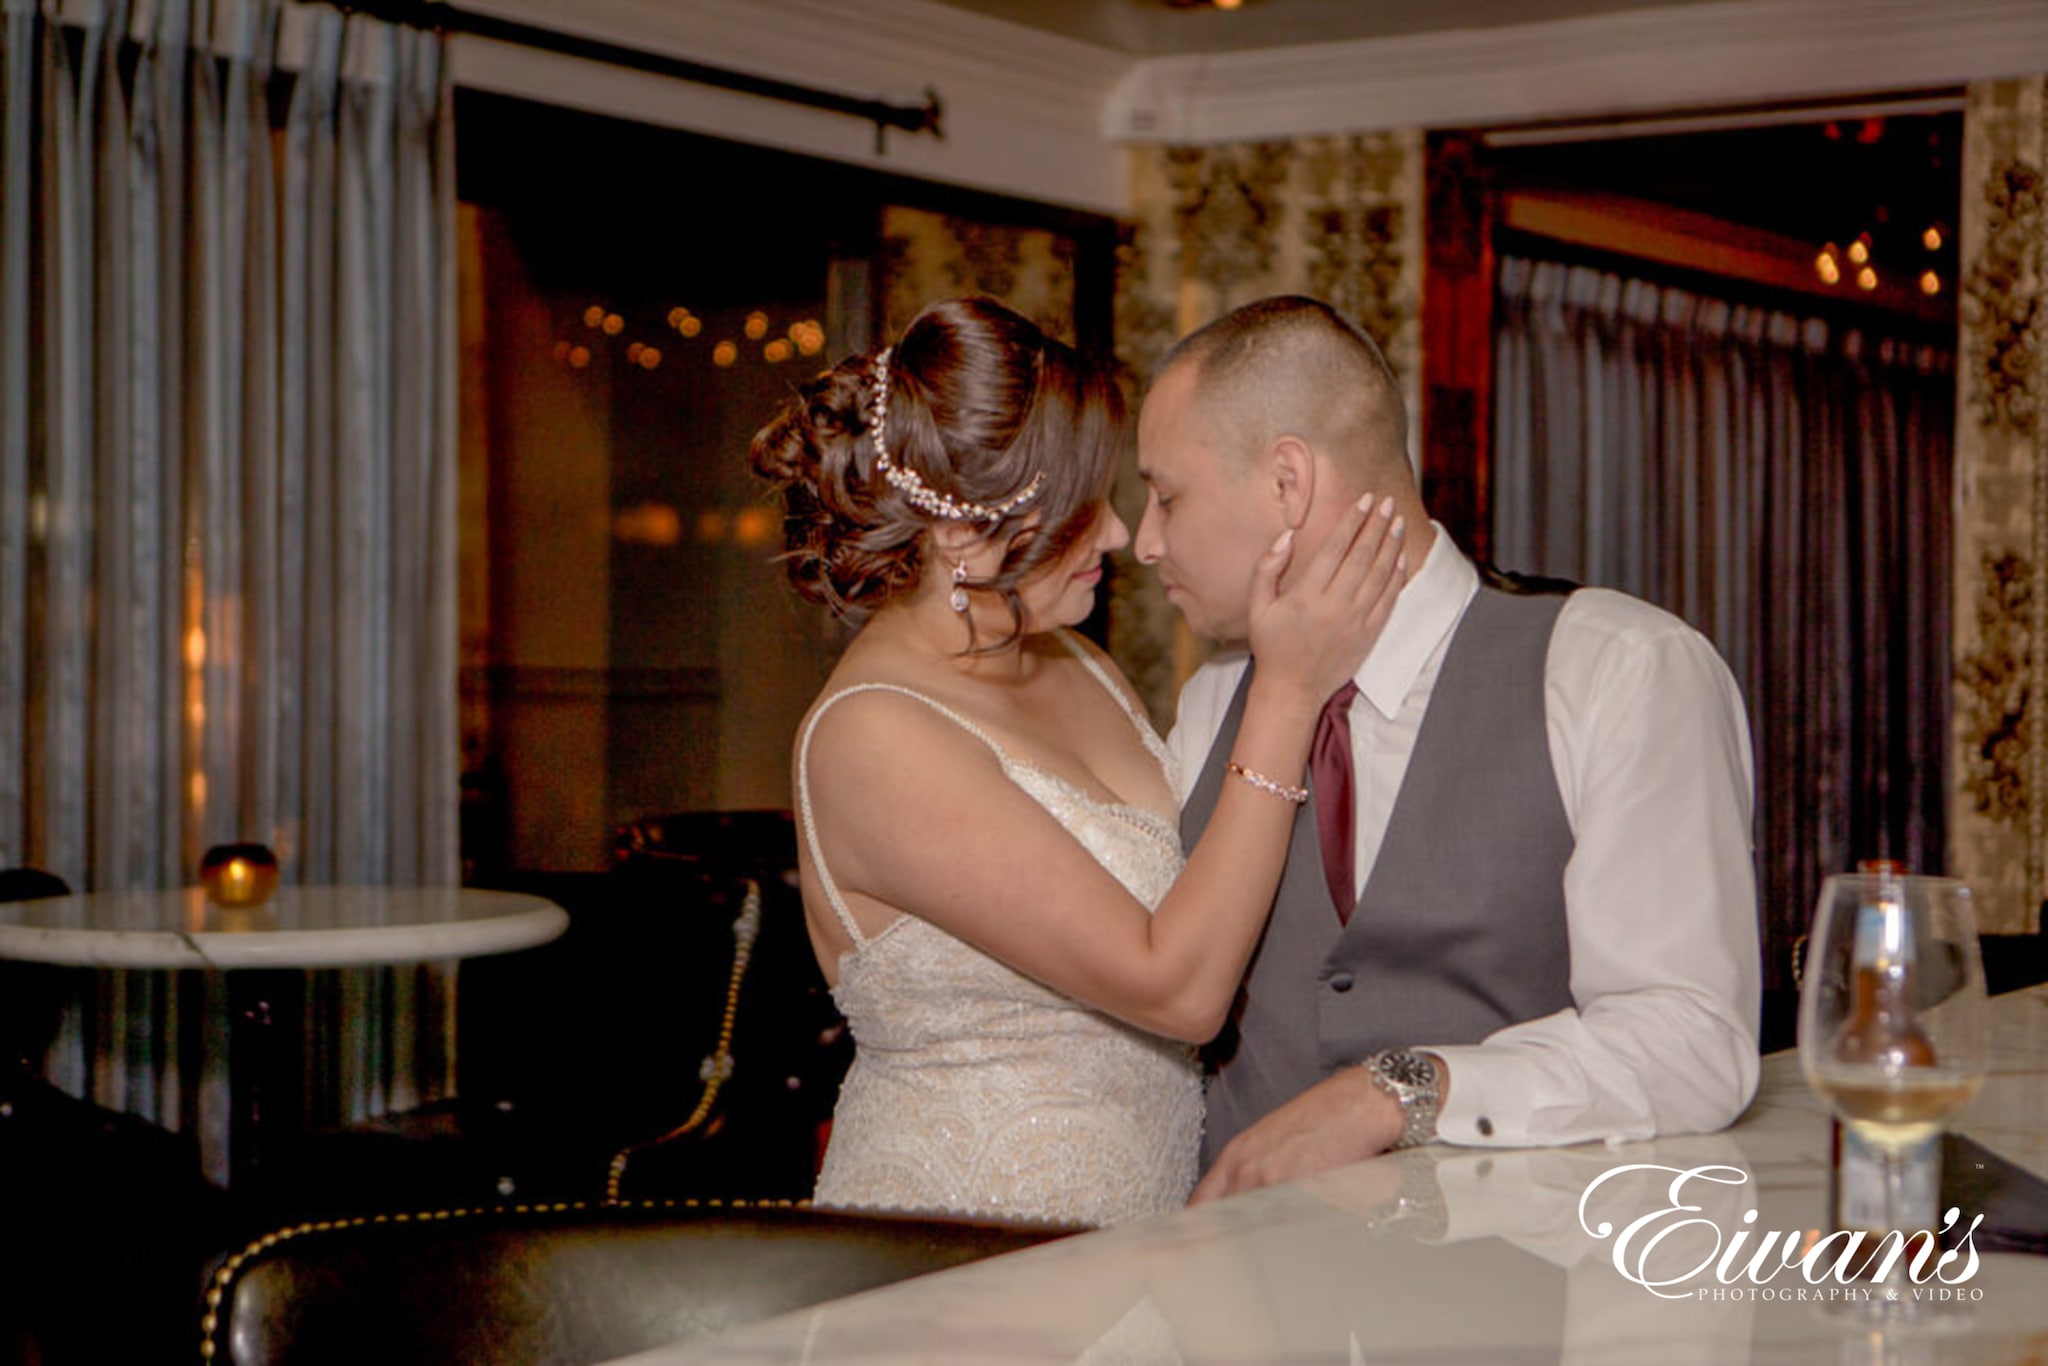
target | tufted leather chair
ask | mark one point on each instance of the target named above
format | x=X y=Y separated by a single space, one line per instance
x=599 y=1044
x=561 y=1285
x=790 y=1043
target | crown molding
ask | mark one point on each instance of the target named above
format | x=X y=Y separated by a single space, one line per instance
x=1674 y=57
x=1022 y=109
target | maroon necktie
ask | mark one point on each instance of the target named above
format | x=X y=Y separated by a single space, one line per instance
x=1329 y=774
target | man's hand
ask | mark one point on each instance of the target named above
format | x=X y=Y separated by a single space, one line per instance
x=1346 y=1118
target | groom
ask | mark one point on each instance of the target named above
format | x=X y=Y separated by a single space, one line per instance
x=1519 y=908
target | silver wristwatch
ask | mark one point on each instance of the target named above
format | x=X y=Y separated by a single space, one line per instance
x=1414 y=1079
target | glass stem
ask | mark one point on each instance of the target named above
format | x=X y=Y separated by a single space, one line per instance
x=1891 y=1285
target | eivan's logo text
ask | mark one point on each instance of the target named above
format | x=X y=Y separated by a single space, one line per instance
x=1835 y=1257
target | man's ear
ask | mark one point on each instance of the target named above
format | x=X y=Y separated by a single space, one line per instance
x=1293 y=467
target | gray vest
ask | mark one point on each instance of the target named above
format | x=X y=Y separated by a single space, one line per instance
x=1461 y=928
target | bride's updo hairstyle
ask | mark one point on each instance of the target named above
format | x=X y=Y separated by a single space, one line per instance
x=978 y=406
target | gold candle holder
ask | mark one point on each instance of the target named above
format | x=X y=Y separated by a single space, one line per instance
x=238 y=874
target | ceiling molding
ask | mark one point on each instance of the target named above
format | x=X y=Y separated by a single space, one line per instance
x=1683 y=56
x=1022 y=109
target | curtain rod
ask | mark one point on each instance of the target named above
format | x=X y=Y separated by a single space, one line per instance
x=436 y=14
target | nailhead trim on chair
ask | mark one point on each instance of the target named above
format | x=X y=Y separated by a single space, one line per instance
x=718 y=1066
x=224 y=1278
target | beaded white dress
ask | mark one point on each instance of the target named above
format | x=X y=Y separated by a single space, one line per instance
x=978 y=1091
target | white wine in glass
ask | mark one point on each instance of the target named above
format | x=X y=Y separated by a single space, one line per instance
x=1892 y=1030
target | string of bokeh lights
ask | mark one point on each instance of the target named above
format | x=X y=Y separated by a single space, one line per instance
x=659 y=524
x=1856 y=266
x=1835 y=264
x=804 y=337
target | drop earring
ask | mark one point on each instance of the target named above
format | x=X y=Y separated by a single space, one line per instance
x=959 y=598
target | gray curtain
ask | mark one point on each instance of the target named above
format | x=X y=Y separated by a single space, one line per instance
x=1782 y=483
x=227 y=459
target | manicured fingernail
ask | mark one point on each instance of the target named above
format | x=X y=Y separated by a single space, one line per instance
x=1401 y=564
x=1365 y=502
x=1387 y=507
x=1399 y=528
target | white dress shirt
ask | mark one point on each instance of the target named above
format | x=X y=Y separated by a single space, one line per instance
x=1651 y=750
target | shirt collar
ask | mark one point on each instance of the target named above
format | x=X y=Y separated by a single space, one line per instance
x=1428 y=609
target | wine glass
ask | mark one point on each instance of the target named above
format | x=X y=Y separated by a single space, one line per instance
x=1892 y=1029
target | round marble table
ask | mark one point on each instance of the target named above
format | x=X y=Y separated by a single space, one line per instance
x=299 y=927
x=262 y=949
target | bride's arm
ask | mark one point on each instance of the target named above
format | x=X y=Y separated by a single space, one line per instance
x=915 y=813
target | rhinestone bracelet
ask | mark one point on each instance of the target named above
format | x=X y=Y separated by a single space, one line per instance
x=1297 y=795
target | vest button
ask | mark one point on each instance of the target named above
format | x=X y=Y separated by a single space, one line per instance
x=1341 y=982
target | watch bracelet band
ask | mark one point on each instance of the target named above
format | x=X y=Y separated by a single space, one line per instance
x=1418 y=1119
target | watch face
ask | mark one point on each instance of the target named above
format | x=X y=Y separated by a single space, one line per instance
x=1407 y=1069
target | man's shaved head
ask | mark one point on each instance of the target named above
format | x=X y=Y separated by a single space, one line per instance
x=1295 y=366
x=1279 y=416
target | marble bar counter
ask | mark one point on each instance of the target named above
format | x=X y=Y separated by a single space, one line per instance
x=1448 y=1255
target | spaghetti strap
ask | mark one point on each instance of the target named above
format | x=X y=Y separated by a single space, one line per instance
x=1139 y=720
x=803 y=784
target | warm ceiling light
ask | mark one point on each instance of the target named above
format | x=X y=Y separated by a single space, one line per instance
x=1930 y=283
x=725 y=353
x=757 y=325
x=1931 y=239
x=579 y=357
x=1825 y=267
x=633 y=353
x=1858 y=252
x=613 y=324
x=1866 y=279
x=650 y=356
x=1228 y=4
x=690 y=327
x=593 y=316
x=777 y=351
x=676 y=315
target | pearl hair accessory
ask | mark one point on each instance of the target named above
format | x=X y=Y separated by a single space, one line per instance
x=921 y=495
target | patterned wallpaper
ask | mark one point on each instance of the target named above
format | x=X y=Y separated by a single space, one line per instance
x=1998 y=809
x=1339 y=217
x=928 y=256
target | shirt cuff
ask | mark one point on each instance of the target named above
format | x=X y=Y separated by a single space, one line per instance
x=1499 y=1099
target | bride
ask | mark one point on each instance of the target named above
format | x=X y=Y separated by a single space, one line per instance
x=992 y=869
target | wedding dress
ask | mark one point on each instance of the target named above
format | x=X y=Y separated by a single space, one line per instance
x=977 y=1091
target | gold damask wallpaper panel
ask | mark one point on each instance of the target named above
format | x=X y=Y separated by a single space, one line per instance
x=1998 y=805
x=1338 y=217
x=928 y=256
